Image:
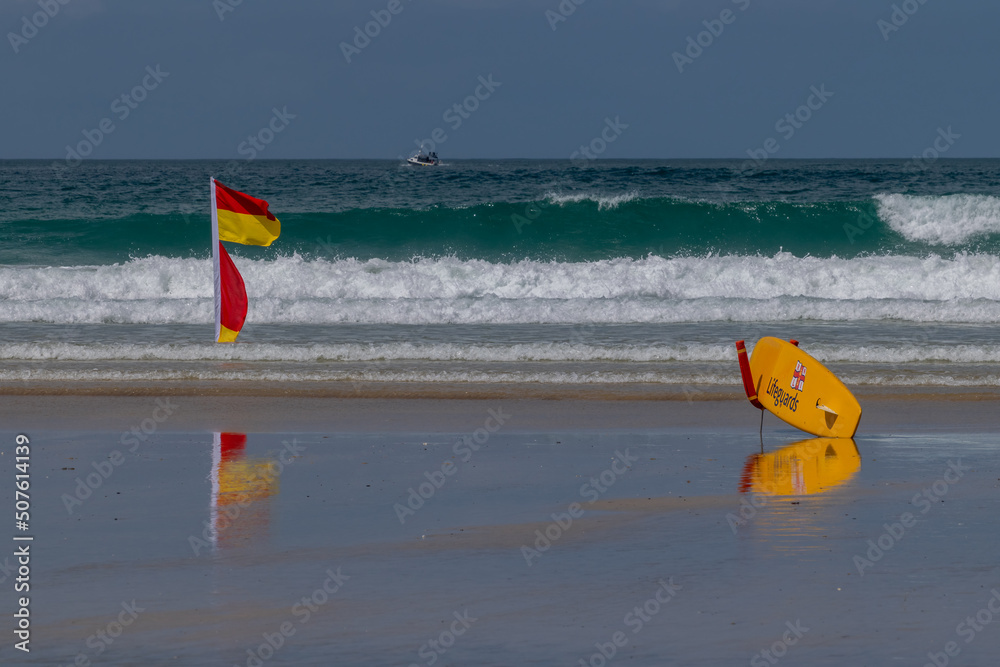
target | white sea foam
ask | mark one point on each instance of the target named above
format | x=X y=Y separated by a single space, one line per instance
x=357 y=352
x=965 y=288
x=941 y=220
x=604 y=202
x=205 y=372
x=526 y=352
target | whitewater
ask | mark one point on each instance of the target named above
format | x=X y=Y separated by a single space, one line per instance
x=963 y=288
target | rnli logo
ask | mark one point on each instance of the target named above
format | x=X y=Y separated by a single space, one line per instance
x=799 y=378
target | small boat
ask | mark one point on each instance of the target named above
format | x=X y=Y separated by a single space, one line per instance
x=425 y=159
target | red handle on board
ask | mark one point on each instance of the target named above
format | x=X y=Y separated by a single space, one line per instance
x=748 y=386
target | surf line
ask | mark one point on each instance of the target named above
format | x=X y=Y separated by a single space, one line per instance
x=782 y=397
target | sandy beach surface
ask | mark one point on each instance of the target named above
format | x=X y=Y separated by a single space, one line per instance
x=509 y=527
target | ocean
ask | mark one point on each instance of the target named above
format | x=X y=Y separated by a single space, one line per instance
x=551 y=272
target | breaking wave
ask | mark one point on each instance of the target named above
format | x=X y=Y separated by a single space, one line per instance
x=782 y=287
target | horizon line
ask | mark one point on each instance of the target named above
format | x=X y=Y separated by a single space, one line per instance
x=480 y=159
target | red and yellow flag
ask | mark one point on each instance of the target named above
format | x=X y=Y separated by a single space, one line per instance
x=230 y=300
x=244 y=219
x=238 y=218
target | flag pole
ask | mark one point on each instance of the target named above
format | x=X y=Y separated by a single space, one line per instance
x=216 y=274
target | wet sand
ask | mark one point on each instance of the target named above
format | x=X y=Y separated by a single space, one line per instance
x=298 y=407
x=539 y=540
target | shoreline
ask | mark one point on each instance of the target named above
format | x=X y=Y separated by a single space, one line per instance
x=693 y=393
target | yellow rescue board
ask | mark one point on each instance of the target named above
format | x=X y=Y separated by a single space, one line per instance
x=801 y=391
x=802 y=468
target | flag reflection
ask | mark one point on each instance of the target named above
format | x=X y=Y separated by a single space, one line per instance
x=241 y=488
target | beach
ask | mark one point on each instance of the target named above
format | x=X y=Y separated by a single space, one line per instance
x=412 y=408
x=495 y=334
x=499 y=334
x=492 y=414
x=499 y=530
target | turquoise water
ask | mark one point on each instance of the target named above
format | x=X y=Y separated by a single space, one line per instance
x=103 y=212
x=618 y=270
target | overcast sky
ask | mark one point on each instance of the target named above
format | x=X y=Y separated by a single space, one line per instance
x=555 y=83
